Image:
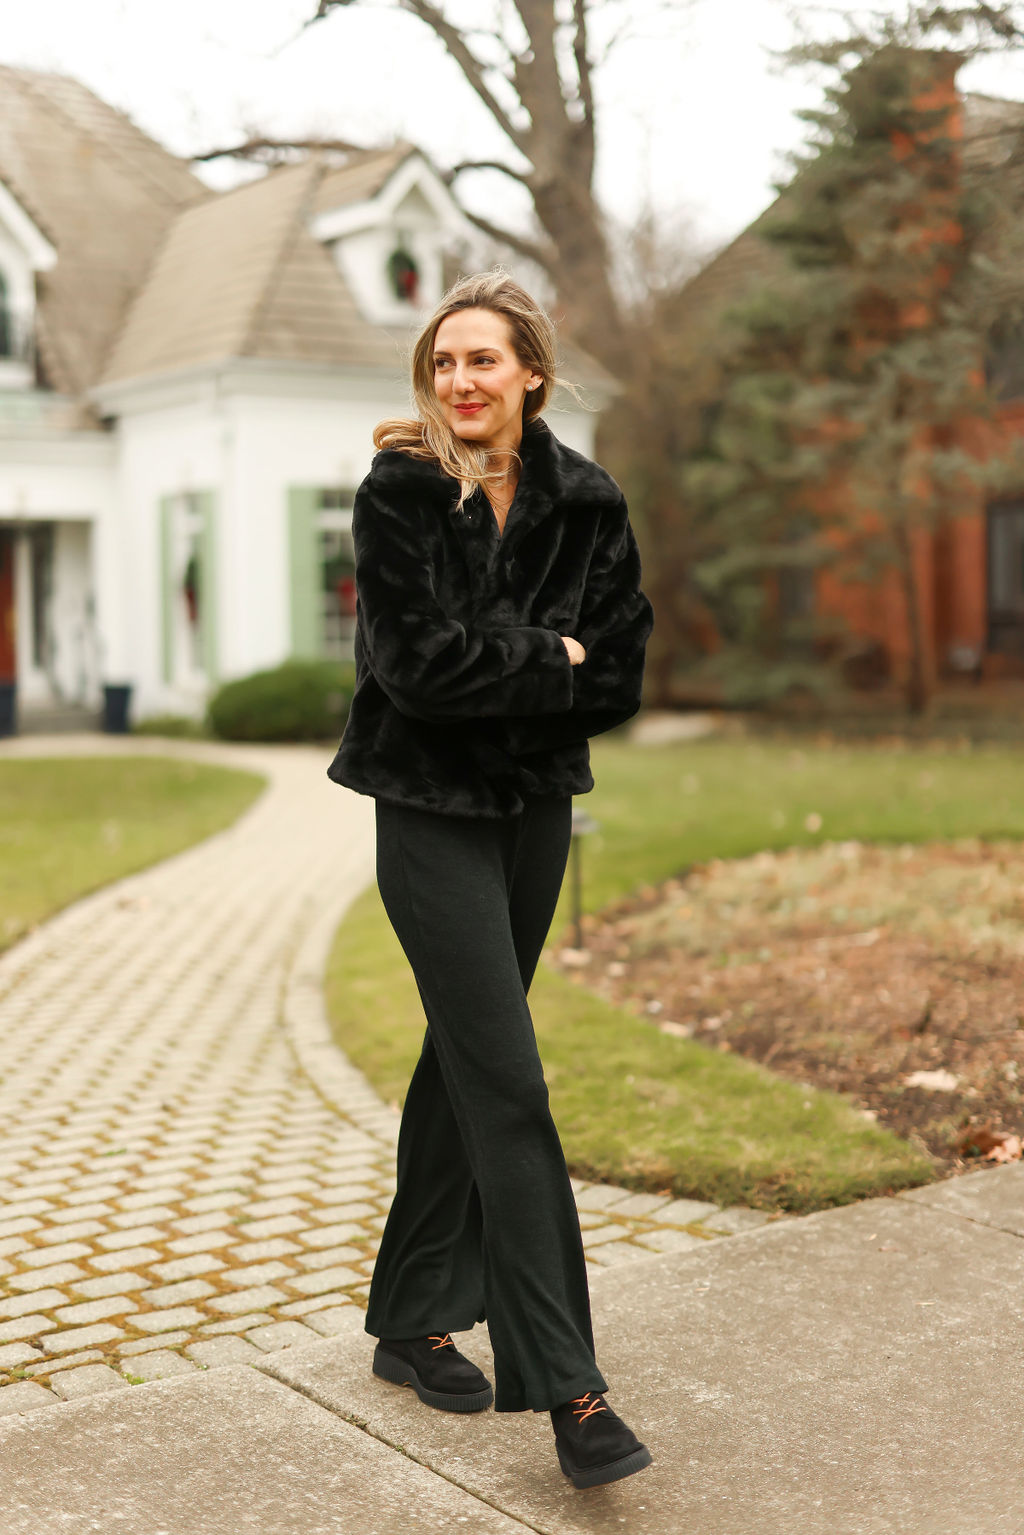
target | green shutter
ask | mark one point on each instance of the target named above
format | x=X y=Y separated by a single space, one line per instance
x=206 y=501
x=304 y=570
x=167 y=595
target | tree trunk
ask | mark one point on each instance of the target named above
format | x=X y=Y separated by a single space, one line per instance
x=580 y=269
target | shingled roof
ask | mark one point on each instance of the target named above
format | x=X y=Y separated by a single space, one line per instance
x=156 y=273
x=746 y=263
x=241 y=276
x=103 y=193
x=362 y=176
x=154 y=270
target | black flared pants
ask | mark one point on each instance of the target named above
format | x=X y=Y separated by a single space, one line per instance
x=483 y=1225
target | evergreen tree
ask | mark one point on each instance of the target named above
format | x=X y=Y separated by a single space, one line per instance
x=854 y=413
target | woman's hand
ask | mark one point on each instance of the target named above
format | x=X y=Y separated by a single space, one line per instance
x=574 y=648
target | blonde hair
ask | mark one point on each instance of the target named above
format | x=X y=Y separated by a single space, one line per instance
x=534 y=342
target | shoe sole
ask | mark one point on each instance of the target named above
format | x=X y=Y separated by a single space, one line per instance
x=597 y=1476
x=390 y=1368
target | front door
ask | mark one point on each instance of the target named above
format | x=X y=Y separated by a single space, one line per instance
x=8 y=651
x=1006 y=577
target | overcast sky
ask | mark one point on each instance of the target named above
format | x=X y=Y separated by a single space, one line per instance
x=694 y=114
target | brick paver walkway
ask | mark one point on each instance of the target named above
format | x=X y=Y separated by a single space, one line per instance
x=175 y=1190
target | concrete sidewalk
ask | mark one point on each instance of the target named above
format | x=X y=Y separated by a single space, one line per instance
x=853 y=1371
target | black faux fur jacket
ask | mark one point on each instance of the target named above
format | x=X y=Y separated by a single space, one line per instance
x=465 y=698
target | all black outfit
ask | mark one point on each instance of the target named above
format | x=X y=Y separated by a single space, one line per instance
x=470 y=727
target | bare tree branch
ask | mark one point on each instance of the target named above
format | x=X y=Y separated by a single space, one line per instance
x=615 y=40
x=454 y=40
x=582 y=57
x=536 y=69
x=258 y=148
x=486 y=33
x=634 y=29
x=530 y=249
x=487 y=165
x=472 y=67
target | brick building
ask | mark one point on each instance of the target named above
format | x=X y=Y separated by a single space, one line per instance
x=970 y=570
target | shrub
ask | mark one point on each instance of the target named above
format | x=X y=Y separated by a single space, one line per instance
x=297 y=701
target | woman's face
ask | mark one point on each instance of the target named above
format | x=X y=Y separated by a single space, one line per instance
x=479 y=380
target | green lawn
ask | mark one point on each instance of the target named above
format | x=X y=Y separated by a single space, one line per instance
x=632 y=1106
x=71 y=824
x=656 y=1112
x=660 y=809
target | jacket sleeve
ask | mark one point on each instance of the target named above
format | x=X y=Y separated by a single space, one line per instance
x=616 y=620
x=431 y=666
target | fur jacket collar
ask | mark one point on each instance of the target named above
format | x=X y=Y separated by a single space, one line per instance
x=465 y=699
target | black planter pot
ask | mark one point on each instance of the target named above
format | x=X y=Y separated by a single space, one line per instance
x=117 y=698
x=8 y=708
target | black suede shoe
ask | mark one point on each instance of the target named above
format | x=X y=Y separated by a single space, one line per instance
x=436 y=1371
x=593 y=1444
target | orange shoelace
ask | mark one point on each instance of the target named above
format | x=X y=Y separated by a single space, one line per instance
x=436 y=1339
x=583 y=1407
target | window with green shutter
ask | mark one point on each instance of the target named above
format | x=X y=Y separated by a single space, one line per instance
x=303 y=501
x=321 y=571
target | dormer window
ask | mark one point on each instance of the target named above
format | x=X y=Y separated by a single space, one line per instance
x=389 y=222
x=25 y=252
x=404 y=274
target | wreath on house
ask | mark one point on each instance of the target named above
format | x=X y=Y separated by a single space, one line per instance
x=190 y=588
x=404 y=275
x=340 y=580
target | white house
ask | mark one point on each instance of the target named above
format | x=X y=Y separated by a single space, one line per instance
x=188 y=385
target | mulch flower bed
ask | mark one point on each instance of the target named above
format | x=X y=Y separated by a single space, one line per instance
x=894 y=975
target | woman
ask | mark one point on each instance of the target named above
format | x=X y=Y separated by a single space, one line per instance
x=500 y=625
